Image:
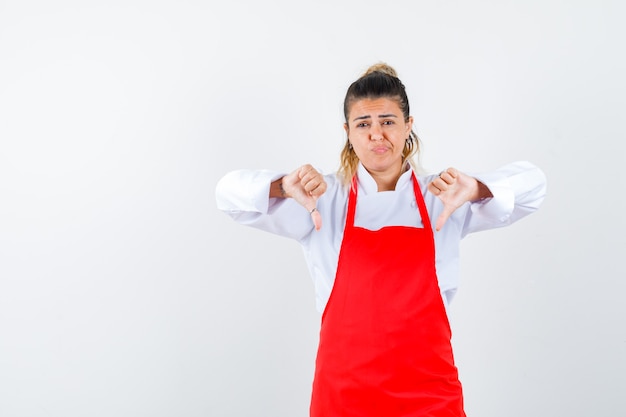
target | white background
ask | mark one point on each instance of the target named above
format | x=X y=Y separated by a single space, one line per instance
x=125 y=292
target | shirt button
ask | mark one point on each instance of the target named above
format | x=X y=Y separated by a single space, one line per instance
x=413 y=204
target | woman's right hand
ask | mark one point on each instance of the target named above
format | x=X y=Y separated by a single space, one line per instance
x=306 y=185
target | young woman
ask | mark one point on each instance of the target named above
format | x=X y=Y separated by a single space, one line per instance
x=382 y=246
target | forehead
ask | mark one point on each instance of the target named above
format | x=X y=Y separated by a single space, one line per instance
x=374 y=107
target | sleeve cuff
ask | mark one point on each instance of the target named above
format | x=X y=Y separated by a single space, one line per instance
x=501 y=205
x=247 y=190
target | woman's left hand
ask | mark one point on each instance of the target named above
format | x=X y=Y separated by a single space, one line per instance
x=454 y=189
x=306 y=185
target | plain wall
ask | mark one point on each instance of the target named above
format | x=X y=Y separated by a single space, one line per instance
x=125 y=292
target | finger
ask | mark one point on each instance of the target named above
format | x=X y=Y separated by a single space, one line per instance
x=319 y=191
x=433 y=188
x=317 y=219
x=310 y=175
x=443 y=217
x=310 y=184
x=449 y=176
x=311 y=180
x=438 y=185
x=315 y=187
x=305 y=170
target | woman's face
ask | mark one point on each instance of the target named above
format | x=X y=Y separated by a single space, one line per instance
x=377 y=131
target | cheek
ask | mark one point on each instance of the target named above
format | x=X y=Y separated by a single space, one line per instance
x=356 y=136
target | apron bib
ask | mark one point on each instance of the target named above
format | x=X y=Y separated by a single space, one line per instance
x=384 y=348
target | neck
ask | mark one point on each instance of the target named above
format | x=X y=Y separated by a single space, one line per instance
x=386 y=181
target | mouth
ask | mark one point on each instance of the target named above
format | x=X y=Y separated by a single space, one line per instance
x=380 y=150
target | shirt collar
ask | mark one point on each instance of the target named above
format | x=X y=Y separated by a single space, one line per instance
x=368 y=185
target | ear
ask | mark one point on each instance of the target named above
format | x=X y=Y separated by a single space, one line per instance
x=346 y=128
x=409 y=124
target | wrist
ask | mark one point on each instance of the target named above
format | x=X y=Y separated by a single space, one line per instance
x=482 y=192
x=277 y=190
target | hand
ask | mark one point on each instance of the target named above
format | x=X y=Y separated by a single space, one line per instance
x=306 y=185
x=455 y=189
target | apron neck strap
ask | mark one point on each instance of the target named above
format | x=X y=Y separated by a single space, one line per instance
x=418 y=198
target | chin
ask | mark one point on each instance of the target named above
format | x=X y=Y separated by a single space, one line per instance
x=378 y=165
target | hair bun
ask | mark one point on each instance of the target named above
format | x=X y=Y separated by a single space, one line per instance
x=383 y=68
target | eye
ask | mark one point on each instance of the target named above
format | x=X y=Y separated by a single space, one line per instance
x=388 y=122
x=362 y=124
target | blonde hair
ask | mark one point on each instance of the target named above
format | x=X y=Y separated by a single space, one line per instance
x=378 y=81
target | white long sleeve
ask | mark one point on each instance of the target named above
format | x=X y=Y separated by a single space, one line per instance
x=518 y=189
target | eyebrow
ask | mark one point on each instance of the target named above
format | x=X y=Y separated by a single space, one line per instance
x=380 y=116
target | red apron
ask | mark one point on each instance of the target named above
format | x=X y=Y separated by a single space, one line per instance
x=384 y=348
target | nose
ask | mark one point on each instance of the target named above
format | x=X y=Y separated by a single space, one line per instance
x=376 y=132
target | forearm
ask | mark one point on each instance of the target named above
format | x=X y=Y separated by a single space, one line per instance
x=246 y=190
x=243 y=196
x=518 y=190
